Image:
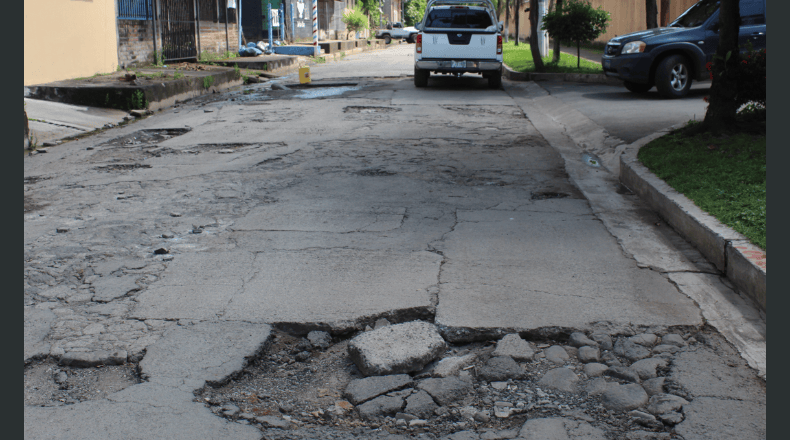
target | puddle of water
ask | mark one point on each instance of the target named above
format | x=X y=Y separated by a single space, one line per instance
x=323 y=92
x=591 y=160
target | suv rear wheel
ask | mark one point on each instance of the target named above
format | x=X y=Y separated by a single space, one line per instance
x=636 y=87
x=673 y=77
x=421 y=77
x=495 y=79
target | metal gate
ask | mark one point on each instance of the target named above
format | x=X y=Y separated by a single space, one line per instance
x=177 y=19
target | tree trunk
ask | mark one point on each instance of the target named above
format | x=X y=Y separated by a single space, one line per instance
x=507 y=20
x=518 y=9
x=721 y=111
x=27 y=133
x=578 y=54
x=652 y=13
x=533 y=35
x=664 y=13
x=556 y=57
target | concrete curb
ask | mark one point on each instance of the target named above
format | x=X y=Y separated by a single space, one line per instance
x=742 y=262
x=512 y=75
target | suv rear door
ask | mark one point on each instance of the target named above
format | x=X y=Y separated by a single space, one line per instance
x=459 y=32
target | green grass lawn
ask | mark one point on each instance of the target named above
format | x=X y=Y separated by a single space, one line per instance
x=723 y=175
x=519 y=58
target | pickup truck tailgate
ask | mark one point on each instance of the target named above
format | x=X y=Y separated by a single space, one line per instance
x=459 y=45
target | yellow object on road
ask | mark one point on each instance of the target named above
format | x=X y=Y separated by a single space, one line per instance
x=304 y=75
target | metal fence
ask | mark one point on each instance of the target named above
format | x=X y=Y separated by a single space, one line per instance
x=178 y=29
x=135 y=10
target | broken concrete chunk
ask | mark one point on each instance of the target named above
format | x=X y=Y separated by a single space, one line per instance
x=562 y=379
x=380 y=406
x=512 y=345
x=445 y=390
x=451 y=366
x=589 y=354
x=559 y=428
x=557 y=355
x=319 y=339
x=673 y=339
x=501 y=368
x=579 y=339
x=362 y=390
x=624 y=397
x=594 y=369
x=654 y=386
x=273 y=422
x=399 y=348
x=624 y=373
x=420 y=404
x=630 y=350
x=646 y=368
x=665 y=403
x=604 y=340
x=644 y=339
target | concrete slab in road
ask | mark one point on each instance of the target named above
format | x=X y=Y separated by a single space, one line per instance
x=55 y=120
x=496 y=276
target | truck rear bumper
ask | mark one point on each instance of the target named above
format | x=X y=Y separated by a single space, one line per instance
x=447 y=65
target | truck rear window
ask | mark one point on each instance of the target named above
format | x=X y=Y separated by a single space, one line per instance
x=458 y=18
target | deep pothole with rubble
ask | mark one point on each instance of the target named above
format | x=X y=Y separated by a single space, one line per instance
x=593 y=385
x=47 y=383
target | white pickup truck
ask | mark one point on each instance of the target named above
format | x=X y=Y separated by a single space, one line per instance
x=456 y=37
x=396 y=31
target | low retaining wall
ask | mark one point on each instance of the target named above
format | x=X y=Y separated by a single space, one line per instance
x=158 y=95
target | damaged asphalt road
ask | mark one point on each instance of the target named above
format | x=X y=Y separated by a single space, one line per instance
x=176 y=246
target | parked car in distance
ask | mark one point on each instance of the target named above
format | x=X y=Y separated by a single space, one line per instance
x=456 y=37
x=397 y=31
x=671 y=58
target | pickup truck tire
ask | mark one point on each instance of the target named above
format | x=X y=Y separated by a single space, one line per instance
x=387 y=39
x=495 y=79
x=410 y=38
x=421 y=77
x=636 y=87
x=673 y=76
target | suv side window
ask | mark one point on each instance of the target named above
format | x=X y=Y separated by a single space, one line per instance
x=752 y=12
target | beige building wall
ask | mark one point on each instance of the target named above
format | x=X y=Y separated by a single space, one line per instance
x=626 y=16
x=69 y=39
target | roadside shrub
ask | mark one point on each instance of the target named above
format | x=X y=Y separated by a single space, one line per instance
x=355 y=20
x=750 y=75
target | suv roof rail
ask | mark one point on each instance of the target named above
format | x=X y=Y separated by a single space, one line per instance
x=460 y=2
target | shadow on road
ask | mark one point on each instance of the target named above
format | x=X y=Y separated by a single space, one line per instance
x=625 y=95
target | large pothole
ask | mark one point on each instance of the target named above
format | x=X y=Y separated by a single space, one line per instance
x=299 y=390
x=50 y=384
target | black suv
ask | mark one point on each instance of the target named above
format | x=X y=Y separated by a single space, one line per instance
x=669 y=58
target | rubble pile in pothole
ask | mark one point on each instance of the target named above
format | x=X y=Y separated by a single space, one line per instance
x=404 y=380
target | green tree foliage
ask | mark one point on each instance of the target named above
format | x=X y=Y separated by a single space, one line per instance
x=415 y=9
x=576 y=21
x=371 y=9
x=355 y=20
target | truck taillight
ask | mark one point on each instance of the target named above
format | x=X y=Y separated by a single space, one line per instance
x=499 y=45
x=418 y=40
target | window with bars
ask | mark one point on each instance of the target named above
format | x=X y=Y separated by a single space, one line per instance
x=135 y=9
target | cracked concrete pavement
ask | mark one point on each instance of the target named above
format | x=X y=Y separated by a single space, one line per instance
x=178 y=250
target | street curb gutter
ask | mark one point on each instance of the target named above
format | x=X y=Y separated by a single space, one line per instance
x=512 y=75
x=732 y=253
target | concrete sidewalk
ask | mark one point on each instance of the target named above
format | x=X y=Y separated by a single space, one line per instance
x=53 y=121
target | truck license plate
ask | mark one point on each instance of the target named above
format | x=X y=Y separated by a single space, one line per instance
x=458 y=64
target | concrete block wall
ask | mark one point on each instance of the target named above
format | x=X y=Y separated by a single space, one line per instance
x=135 y=42
x=212 y=37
